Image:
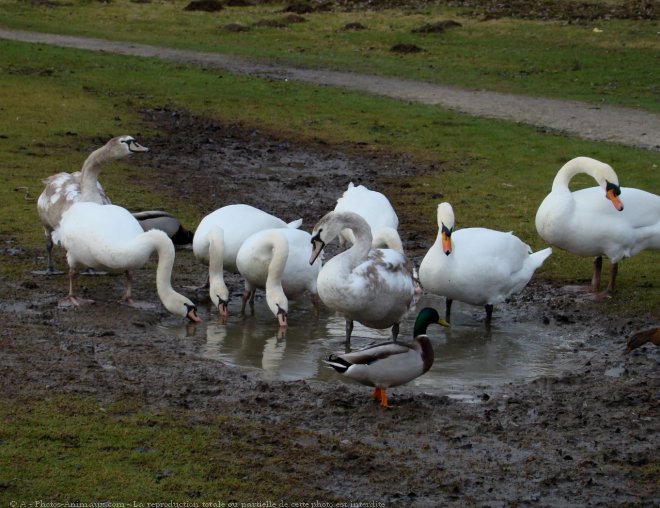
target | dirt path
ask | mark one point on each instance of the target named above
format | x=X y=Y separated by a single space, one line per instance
x=600 y=123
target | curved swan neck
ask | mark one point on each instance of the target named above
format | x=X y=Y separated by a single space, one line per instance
x=112 y=150
x=90 y=173
x=280 y=253
x=161 y=243
x=361 y=231
x=388 y=238
x=599 y=171
x=216 y=252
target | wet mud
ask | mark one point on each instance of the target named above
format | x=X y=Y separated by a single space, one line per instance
x=582 y=438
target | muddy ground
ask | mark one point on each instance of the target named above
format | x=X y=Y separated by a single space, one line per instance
x=582 y=438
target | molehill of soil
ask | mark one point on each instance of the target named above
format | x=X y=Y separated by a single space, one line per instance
x=583 y=438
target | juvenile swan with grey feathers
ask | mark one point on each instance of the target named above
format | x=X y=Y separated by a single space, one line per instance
x=64 y=189
x=371 y=286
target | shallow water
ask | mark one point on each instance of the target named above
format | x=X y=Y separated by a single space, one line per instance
x=468 y=359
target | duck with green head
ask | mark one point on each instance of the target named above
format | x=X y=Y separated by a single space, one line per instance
x=394 y=363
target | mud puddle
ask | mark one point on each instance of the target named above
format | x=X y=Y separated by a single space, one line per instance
x=469 y=358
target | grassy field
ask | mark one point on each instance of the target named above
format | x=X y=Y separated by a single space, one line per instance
x=56 y=103
x=495 y=173
x=604 y=61
x=73 y=448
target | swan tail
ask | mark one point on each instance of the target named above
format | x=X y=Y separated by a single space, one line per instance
x=294 y=224
x=539 y=257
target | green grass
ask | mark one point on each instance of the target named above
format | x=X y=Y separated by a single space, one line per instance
x=495 y=173
x=71 y=449
x=58 y=104
x=618 y=65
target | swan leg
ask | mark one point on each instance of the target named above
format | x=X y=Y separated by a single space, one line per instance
x=127 y=299
x=614 y=270
x=448 y=303
x=376 y=394
x=50 y=269
x=489 y=313
x=248 y=296
x=128 y=295
x=395 y=331
x=71 y=300
x=595 y=279
x=349 y=331
x=316 y=303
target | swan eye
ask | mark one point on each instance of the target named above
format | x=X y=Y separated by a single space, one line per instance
x=612 y=187
x=221 y=301
x=446 y=231
x=317 y=237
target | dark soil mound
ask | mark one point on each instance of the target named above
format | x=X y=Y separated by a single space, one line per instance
x=405 y=48
x=204 y=5
x=437 y=27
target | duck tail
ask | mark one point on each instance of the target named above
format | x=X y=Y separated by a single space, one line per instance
x=338 y=363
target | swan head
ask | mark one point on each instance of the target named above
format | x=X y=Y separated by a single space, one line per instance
x=606 y=177
x=329 y=227
x=279 y=306
x=446 y=223
x=612 y=192
x=125 y=145
x=219 y=294
x=220 y=303
x=191 y=312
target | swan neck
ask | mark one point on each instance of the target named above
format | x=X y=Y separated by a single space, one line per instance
x=280 y=253
x=216 y=254
x=599 y=171
x=363 y=240
x=161 y=243
x=90 y=173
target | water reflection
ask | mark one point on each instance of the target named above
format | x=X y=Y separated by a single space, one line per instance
x=468 y=358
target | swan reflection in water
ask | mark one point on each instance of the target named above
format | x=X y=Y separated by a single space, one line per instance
x=467 y=359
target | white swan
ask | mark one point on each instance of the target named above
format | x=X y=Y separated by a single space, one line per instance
x=476 y=265
x=64 y=189
x=585 y=223
x=277 y=260
x=374 y=208
x=371 y=286
x=108 y=237
x=218 y=237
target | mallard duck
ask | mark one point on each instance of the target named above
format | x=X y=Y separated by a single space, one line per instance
x=218 y=238
x=586 y=224
x=638 y=339
x=476 y=265
x=391 y=364
x=371 y=286
x=276 y=260
x=159 y=219
x=108 y=237
x=64 y=189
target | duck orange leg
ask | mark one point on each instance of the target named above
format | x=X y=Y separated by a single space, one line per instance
x=379 y=393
